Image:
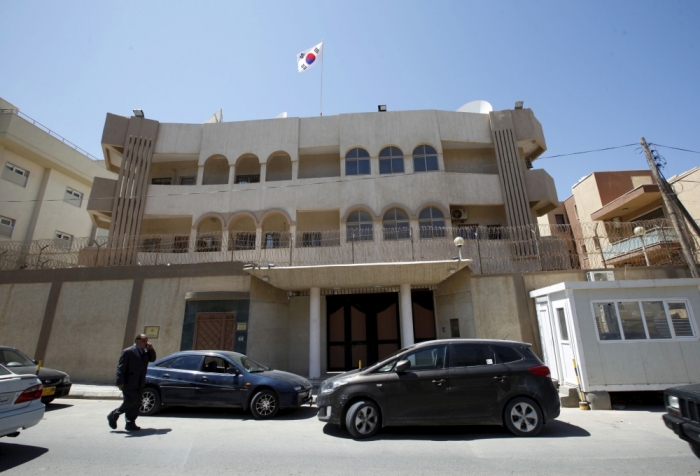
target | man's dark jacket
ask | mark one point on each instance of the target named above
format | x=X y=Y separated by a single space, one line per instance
x=132 y=366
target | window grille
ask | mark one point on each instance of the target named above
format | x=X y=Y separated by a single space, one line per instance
x=161 y=181
x=242 y=179
x=188 y=180
x=7 y=225
x=15 y=174
x=73 y=197
x=359 y=226
x=396 y=225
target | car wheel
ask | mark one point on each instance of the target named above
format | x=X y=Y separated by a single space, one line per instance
x=695 y=449
x=150 y=401
x=523 y=417
x=362 y=419
x=46 y=401
x=264 y=405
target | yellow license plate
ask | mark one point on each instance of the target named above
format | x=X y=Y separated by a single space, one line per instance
x=48 y=391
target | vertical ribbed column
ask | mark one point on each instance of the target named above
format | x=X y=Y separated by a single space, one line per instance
x=511 y=170
x=132 y=185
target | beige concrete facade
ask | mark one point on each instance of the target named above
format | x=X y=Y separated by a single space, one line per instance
x=45 y=182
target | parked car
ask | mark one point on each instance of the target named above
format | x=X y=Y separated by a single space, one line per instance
x=445 y=382
x=56 y=384
x=216 y=378
x=683 y=414
x=20 y=402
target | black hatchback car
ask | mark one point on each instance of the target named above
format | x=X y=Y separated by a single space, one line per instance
x=57 y=384
x=445 y=382
x=217 y=378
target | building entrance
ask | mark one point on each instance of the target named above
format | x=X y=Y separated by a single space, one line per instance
x=361 y=328
x=214 y=330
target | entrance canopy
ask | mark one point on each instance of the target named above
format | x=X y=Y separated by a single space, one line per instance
x=417 y=273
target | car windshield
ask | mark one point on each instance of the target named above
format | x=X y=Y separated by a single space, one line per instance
x=246 y=362
x=14 y=358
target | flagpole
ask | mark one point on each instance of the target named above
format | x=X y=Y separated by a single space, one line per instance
x=323 y=54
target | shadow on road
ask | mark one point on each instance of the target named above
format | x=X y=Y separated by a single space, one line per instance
x=302 y=413
x=12 y=455
x=553 y=429
x=143 y=432
x=56 y=406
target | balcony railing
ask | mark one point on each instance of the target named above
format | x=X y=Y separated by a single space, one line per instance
x=492 y=249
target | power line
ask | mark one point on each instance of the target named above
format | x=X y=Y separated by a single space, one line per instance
x=588 y=151
x=675 y=148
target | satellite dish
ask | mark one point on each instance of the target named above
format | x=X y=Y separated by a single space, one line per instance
x=217 y=117
x=479 y=107
x=281 y=115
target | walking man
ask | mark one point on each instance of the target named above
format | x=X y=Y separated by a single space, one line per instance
x=131 y=378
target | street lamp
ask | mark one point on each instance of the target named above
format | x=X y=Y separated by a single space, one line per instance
x=640 y=231
x=459 y=242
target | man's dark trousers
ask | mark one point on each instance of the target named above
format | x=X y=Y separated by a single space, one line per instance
x=131 y=374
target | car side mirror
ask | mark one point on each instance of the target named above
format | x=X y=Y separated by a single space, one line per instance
x=35 y=361
x=232 y=371
x=402 y=366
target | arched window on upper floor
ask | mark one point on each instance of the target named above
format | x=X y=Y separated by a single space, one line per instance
x=425 y=159
x=357 y=162
x=359 y=226
x=431 y=222
x=391 y=161
x=396 y=225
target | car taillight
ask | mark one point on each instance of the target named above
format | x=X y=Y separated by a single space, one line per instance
x=541 y=370
x=32 y=393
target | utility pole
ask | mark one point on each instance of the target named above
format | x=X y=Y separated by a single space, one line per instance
x=680 y=231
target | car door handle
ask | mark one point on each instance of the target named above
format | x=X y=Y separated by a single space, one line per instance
x=165 y=376
x=439 y=382
x=204 y=379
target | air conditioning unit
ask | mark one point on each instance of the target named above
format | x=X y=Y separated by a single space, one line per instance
x=600 y=276
x=459 y=215
x=528 y=163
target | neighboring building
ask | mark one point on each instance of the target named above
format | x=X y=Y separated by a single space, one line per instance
x=44 y=184
x=606 y=208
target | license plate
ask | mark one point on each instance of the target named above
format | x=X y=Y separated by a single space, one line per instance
x=48 y=391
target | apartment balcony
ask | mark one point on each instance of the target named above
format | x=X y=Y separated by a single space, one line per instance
x=660 y=244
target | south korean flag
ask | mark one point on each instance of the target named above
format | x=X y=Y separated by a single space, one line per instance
x=308 y=59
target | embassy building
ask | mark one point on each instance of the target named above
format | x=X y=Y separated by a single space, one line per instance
x=311 y=244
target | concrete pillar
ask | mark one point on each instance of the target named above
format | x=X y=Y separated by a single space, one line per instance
x=193 y=240
x=231 y=174
x=295 y=170
x=258 y=238
x=263 y=172
x=315 y=333
x=200 y=174
x=406 y=315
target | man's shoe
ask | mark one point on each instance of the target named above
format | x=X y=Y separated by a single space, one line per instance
x=112 y=419
x=132 y=427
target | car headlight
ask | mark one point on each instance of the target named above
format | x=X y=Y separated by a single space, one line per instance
x=66 y=379
x=330 y=387
x=673 y=402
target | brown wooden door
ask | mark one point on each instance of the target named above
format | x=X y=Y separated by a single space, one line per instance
x=214 y=331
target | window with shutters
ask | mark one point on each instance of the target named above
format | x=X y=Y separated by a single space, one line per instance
x=15 y=174
x=73 y=197
x=635 y=320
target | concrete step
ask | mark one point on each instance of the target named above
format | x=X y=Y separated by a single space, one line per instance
x=568 y=396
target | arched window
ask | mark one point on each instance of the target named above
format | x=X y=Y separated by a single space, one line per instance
x=359 y=226
x=396 y=225
x=432 y=223
x=391 y=161
x=425 y=159
x=357 y=162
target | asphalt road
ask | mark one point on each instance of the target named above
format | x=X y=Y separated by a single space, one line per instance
x=74 y=439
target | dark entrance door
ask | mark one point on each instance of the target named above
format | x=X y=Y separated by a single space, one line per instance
x=361 y=327
x=214 y=331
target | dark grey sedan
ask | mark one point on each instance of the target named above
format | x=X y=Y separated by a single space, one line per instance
x=446 y=382
x=218 y=378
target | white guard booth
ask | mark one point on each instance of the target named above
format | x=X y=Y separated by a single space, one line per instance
x=622 y=335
